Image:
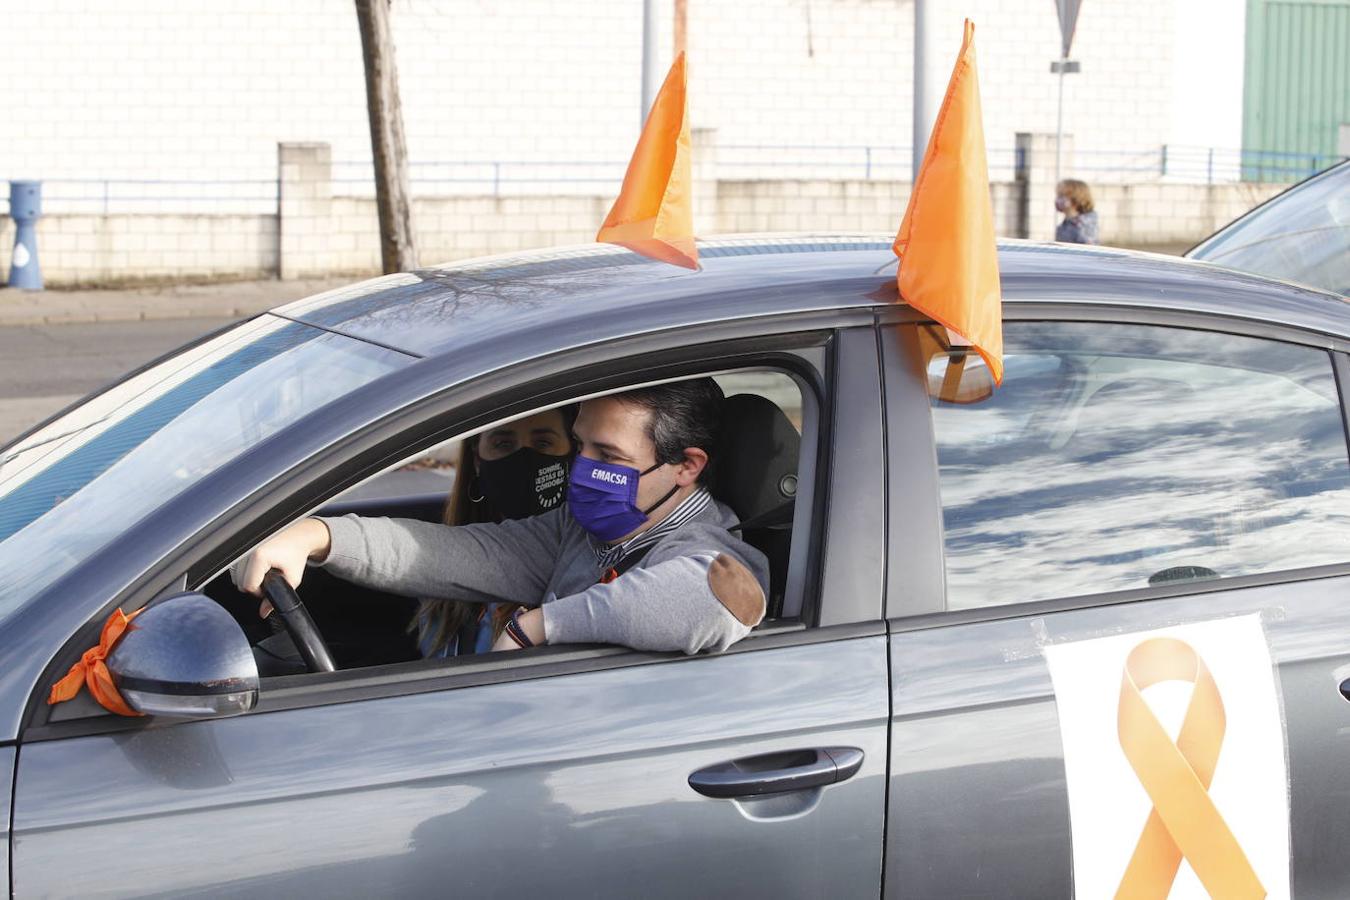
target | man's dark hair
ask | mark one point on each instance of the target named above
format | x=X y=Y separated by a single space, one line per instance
x=683 y=414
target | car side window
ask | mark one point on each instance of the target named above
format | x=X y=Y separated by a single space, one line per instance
x=765 y=413
x=758 y=477
x=1121 y=456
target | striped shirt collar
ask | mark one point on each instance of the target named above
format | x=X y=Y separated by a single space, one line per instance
x=608 y=556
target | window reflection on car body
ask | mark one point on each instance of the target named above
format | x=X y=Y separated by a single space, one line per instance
x=1116 y=456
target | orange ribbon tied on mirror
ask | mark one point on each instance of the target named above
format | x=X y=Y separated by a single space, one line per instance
x=1176 y=775
x=93 y=672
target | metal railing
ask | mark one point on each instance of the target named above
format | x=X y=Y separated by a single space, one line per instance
x=1198 y=165
x=1210 y=164
x=107 y=196
x=867 y=162
x=495 y=177
x=515 y=177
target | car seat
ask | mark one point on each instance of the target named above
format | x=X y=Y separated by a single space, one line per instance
x=755 y=473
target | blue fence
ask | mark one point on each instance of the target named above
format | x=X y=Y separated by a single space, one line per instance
x=514 y=177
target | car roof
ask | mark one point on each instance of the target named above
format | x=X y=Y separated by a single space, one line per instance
x=551 y=300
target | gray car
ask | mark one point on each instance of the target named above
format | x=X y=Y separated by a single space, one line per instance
x=957 y=568
x=1301 y=234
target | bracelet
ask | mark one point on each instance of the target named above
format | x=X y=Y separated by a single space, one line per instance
x=516 y=632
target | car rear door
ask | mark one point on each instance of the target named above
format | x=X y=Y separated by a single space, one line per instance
x=557 y=772
x=1131 y=555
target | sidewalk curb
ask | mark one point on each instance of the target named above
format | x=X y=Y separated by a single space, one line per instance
x=226 y=300
x=139 y=316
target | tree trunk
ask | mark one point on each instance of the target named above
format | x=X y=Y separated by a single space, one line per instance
x=398 y=252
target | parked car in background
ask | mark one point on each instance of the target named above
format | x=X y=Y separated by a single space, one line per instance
x=1300 y=235
x=1164 y=471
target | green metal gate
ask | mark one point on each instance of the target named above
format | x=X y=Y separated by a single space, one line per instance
x=1296 y=90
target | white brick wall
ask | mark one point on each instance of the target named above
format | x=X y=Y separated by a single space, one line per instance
x=1137 y=214
x=162 y=89
x=873 y=207
x=762 y=79
x=77 y=250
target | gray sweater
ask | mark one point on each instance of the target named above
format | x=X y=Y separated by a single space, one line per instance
x=697 y=588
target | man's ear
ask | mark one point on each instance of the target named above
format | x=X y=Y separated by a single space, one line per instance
x=695 y=461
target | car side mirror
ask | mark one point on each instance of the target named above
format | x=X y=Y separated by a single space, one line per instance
x=185 y=657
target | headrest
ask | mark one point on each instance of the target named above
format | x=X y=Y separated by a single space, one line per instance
x=756 y=466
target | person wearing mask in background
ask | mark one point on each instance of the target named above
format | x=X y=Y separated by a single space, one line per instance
x=512 y=471
x=1079 y=226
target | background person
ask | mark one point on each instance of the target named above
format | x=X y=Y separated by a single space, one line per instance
x=1079 y=226
x=512 y=471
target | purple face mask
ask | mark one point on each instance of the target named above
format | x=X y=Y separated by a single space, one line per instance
x=603 y=498
x=1061 y=203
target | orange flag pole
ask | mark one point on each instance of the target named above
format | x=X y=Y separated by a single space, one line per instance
x=948 y=255
x=653 y=215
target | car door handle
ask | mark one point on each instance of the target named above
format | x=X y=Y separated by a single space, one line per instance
x=775 y=773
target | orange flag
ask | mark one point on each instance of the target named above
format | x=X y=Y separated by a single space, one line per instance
x=948 y=258
x=653 y=215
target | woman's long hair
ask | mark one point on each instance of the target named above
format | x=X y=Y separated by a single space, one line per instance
x=437 y=622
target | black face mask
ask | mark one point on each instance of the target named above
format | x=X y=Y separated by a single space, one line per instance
x=524 y=483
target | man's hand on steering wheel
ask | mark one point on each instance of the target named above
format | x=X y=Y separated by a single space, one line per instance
x=287 y=551
x=274 y=570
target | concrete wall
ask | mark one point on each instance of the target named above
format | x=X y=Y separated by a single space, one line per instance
x=324 y=235
x=448 y=228
x=78 y=250
x=850 y=206
x=1162 y=213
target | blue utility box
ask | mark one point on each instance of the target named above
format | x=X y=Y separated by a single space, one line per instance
x=25 y=206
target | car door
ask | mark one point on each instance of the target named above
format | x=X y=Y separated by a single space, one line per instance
x=557 y=772
x=7 y=756
x=1150 y=485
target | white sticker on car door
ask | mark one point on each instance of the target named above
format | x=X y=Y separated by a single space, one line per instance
x=1175 y=761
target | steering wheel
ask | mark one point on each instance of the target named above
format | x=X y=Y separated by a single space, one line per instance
x=286 y=602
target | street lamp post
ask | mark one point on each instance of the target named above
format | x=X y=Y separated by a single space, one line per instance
x=922 y=105
x=1063 y=66
x=648 y=60
x=1067 y=10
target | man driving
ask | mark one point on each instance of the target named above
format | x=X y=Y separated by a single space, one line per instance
x=640 y=554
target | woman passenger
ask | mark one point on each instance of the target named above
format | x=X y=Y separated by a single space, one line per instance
x=511 y=471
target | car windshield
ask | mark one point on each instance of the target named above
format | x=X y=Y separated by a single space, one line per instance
x=69 y=488
x=1302 y=235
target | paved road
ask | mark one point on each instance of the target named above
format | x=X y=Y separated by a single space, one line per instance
x=45 y=367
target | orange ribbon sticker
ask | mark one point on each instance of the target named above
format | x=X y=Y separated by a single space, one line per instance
x=1176 y=775
x=92 y=671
